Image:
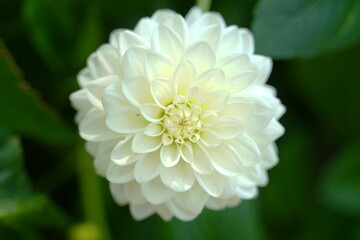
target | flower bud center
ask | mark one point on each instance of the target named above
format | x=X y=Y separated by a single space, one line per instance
x=182 y=120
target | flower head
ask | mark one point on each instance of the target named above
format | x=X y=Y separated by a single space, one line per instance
x=178 y=116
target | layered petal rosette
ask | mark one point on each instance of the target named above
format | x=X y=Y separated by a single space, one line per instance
x=178 y=116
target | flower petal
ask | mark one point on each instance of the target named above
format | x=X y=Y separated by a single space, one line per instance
x=137 y=90
x=236 y=40
x=120 y=174
x=229 y=127
x=201 y=161
x=154 y=129
x=92 y=127
x=264 y=66
x=102 y=155
x=180 y=177
x=208 y=118
x=215 y=100
x=144 y=144
x=163 y=92
x=201 y=55
x=184 y=75
x=186 y=152
x=117 y=191
x=125 y=39
x=105 y=61
x=126 y=120
x=235 y=64
x=114 y=98
x=145 y=28
x=179 y=212
x=193 y=15
x=238 y=108
x=240 y=82
x=141 y=211
x=133 y=62
x=159 y=65
x=246 y=150
x=179 y=26
x=212 y=183
x=160 y=16
x=81 y=103
x=209 y=34
x=167 y=41
x=194 y=199
x=148 y=167
x=170 y=155
x=194 y=95
x=163 y=212
x=133 y=192
x=84 y=77
x=156 y=192
x=211 y=80
x=209 y=138
x=152 y=112
x=95 y=89
x=122 y=153
x=224 y=161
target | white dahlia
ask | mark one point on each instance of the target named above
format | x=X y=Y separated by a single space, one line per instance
x=178 y=116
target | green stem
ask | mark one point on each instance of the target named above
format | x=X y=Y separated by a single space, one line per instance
x=204 y=4
x=91 y=195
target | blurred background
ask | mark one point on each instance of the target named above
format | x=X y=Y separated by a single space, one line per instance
x=48 y=189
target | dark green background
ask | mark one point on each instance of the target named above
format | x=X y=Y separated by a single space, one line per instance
x=48 y=189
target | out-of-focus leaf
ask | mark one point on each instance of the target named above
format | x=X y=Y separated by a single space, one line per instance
x=286 y=29
x=91 y=35
x=243 y=222
x=50 y=26
x=340 y=186
x=290 y=182
x=13 y=181
x=324 y=224
x=22 y=110
x=19 y=206
x=329 y=86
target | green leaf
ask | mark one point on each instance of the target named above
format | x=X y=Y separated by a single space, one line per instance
x=340 y=186
x=286 y=29
x=21 y=211
x=13 y=180
x=50 y=25
x=22 y=109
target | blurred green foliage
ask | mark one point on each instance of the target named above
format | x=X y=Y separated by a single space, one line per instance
x=48 y=189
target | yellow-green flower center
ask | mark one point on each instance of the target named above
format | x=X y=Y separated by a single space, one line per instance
x=182 y=120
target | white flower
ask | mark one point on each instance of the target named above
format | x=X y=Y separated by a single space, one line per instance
x=178 y=116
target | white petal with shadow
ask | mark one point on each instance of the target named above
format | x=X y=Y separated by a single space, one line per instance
x=93 y=128
x=201 y=161
x=170 y=155
x=163 y=92
x=156 y=192
x=184 y=75
x=167 y=41
x=137 y=90
x=152 y=112
x=148 y=167
x=144 y=144
x=120 y=174
x=159 y=65
x=180 y=177
x=201 y=55
x=126 y=120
